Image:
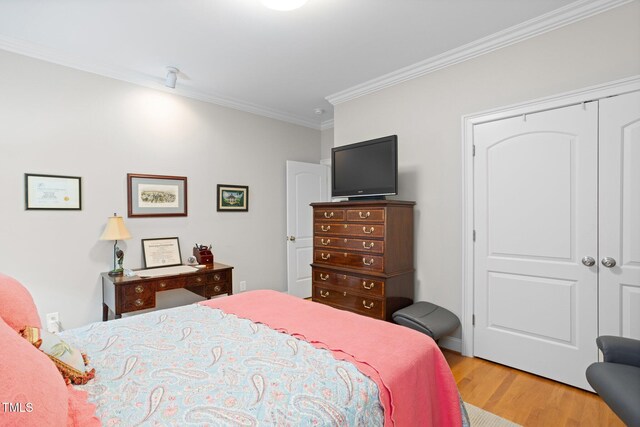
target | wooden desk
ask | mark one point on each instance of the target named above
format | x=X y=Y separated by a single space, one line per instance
x=122 y=294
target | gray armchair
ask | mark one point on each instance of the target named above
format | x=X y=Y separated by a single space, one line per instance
x=617 y=379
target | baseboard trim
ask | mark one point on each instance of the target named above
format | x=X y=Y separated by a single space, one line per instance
x=451 y=343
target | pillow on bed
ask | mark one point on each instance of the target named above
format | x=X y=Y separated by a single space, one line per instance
x=70 y=362
x=30 y=383
x=17 y=308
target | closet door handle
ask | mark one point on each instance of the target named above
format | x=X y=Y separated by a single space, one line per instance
x=588 y=261
x=608 y=262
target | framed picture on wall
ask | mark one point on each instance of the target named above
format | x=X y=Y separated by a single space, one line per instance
x=52 y=192
x=156 y=195
x=233 y=198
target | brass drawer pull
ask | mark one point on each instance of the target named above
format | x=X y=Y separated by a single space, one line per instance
x=325 y=229
x=368 y=307
x=369 y=286
x=217 y=288
x=369 y=246
x=139 y=289
x=138 y=302
x=163 y=284
x=216 y=277
x=198 y=279
x=322 y=255
x=325 y=243
x=328 y=215
x=367 y=232
x=323 y=277
x=365 y=216
x=364 y=261
x=323 y=294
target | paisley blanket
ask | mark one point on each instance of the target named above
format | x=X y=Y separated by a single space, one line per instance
x=416 y=385
x=194 y=365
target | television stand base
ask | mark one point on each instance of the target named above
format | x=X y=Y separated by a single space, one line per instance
x=355 y=199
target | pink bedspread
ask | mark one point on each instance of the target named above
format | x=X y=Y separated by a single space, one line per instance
x=416 y=385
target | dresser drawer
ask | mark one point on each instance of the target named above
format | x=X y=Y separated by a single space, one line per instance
x=362 y=230
x=329 y=215
x=364 y=245
x=138 y=297
x=369 y=215
x=167 y=284
x=371 y=307
x=350 y=283
x=364 y=262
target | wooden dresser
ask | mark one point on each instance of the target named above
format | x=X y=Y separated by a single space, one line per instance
x=363 y=256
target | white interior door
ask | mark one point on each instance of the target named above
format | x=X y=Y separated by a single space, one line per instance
x=619 y=206
x=306 y=183
x=536 y=189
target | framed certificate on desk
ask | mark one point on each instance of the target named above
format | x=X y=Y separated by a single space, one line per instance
x=162 y=252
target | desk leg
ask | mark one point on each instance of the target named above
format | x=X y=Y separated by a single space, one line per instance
x=105 y=312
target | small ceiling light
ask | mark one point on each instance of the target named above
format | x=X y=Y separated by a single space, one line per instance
x=283 y=4
x=319 y=111
x=172 y=77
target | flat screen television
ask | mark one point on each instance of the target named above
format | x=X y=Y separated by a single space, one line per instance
x=367 y=169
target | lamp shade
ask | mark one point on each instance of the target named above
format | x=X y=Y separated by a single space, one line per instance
x=115 y=229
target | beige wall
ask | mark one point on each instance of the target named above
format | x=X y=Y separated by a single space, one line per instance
x=326 y=144
x=56 y=120
x=426 y=114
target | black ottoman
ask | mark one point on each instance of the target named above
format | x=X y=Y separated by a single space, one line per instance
x=427 y=318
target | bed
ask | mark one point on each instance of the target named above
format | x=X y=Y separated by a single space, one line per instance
x=261 y=358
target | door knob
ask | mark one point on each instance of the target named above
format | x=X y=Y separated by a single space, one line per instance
x=608 y=262
x=588 y=261
x=291 y=238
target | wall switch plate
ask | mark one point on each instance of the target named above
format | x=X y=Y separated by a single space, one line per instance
x=53 y=322
x=243 y=285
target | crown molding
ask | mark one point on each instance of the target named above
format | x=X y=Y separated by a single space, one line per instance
x=327 y=124
x=153 y=82
x=558 y=18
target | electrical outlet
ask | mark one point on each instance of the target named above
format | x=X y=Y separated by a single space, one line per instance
x=53 y=322
x=243 y=285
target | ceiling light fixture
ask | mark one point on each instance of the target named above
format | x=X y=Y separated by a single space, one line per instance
x=283 y=4
x=172 y=77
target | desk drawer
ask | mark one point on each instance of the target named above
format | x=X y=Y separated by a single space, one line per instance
x=219 y=277
x=216 y=289
x=138 y=297
x=166 y=284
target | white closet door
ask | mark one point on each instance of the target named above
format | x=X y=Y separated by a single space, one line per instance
x=536 y=184
x=620 y=215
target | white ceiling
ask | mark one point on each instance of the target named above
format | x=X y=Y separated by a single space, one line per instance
x=240 y=54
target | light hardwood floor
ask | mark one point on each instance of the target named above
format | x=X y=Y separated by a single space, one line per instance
x=525 y=398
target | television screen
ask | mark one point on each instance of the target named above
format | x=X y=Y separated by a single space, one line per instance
x=365 y=169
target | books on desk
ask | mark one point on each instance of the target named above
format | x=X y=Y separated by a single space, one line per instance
x=166 y=271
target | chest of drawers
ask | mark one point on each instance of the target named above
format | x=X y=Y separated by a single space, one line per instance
x=363 y=256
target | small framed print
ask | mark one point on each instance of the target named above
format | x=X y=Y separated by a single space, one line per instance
x=52 y=192
x=161 y=252
x=233 y=198
x=156 y=195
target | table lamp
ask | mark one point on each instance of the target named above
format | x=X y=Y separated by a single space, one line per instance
x=115 y=230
